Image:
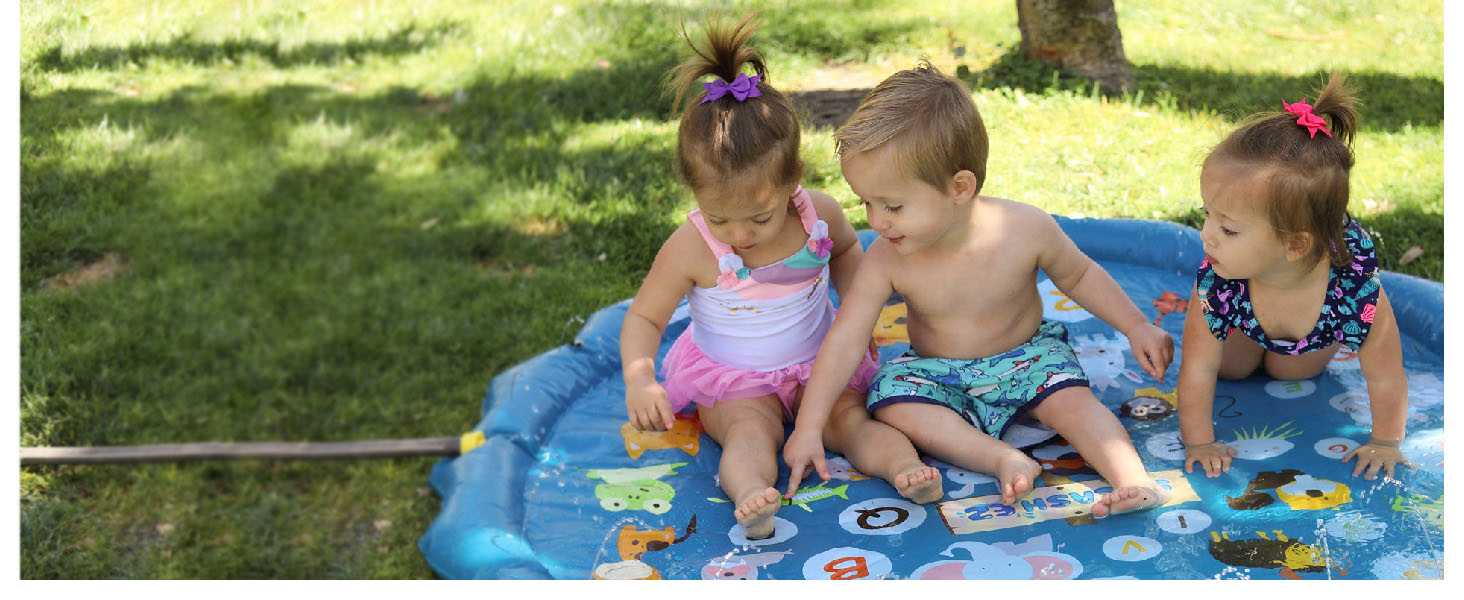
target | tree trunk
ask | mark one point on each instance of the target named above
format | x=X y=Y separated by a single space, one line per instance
x=1079 y=35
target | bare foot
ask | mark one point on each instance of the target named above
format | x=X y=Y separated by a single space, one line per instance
x=1018 y=473
x=921 y=484
x=1129 y=499
x=755 y=514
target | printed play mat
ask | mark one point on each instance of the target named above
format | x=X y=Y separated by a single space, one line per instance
x=554 y=483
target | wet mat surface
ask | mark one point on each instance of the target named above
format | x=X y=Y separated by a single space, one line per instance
x=561 y=487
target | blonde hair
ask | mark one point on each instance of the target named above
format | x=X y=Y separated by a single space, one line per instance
x=1306 y=177
x=724 y=139
x=931 y=121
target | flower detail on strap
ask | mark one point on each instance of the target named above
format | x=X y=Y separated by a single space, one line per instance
x=1305 y=118
x=820 y=247
x=819 y=242
x=741 y=88
x=732 y=270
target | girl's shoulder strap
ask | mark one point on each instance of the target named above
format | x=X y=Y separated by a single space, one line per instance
x=728 y=262
x=807 y=213
x=696 y=219
x=1364 y=252
x=1220 y=301
x=1356 y=286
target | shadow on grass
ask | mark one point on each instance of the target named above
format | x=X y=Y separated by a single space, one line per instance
x=1390 y=102
x=493 y=109
x=67 y=216
x=404 y=40
x=291 y=310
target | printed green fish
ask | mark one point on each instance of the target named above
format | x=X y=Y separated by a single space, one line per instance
x=818 y=492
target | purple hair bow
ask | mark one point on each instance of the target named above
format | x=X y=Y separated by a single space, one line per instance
x=742 y=88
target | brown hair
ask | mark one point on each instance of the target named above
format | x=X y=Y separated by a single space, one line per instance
x=724 y=139
x=931 y=120
x=1306 y=177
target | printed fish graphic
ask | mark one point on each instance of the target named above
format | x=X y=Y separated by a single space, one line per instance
x=815 y=493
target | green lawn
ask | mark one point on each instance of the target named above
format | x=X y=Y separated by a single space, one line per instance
x=337 y=221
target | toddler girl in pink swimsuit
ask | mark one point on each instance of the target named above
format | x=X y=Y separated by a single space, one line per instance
x=754 y=261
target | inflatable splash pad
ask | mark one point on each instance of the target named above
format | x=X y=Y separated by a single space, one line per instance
x=560 y=486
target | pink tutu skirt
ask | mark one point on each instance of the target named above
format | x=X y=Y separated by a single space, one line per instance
x=691 y=376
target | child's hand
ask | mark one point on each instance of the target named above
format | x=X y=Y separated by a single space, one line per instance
x=648 y=408
x=804 y=448
x=1213 y=457
x=1374 y=455
x=1153 y=348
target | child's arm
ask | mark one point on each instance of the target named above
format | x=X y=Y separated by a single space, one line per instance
x=646 y=404
x=1381 y=357
x=844 y=258
x=1088 y=284
x=838 y=357
x=1197 y=373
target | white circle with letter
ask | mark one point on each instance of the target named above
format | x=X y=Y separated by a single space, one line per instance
x=1334 y=447
x=1183 y=521
x=782 y=531
x=1166 y=446
x=1057 y=306
x=881 y=516
x=1132 y=548
x=840 y=564
x=1287 y=390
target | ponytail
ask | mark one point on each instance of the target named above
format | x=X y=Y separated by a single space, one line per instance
x=1338 y=102
x=725 y=54
x=752 y=136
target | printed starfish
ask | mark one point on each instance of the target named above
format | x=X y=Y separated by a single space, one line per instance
x=1169 y=302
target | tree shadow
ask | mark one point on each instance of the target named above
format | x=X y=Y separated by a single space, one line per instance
x=407 y=39
x=492 y=109
x=300 y=291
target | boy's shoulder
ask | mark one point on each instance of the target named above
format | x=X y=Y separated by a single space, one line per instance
x=825 y=205
x=1017 y=217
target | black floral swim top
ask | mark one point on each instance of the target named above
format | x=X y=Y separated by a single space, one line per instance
x=1347 y=311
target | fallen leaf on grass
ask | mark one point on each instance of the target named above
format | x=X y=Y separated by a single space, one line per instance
x=1409 y=255
x=111 y=265
x=432 y=105
x=429 y=224
x=1311 y=37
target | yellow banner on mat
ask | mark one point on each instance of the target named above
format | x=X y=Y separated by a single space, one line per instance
x=1074 y=499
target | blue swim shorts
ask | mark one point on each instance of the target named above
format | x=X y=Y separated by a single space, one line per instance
x=989 y=392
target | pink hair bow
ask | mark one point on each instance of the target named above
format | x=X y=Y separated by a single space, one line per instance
x=1305 y=118
x=742 y=88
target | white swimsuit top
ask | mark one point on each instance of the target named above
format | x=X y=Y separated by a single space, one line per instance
x=771 y=317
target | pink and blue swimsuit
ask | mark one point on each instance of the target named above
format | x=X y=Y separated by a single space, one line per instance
x=756 y=332
x=1347 y=311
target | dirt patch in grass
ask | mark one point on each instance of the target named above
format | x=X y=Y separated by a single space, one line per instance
x=111 y=265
